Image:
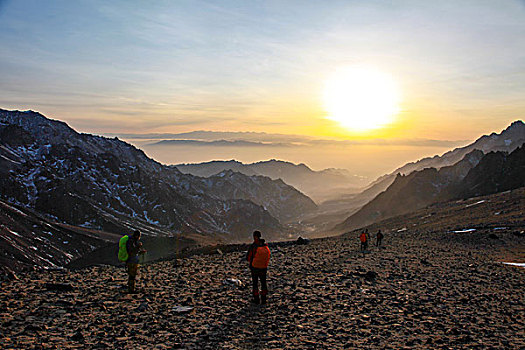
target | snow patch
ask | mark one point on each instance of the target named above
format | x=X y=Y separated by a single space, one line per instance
x=473 y=204
x=467 y=230
x=13 y=232
x=515 y=264
x=10 y=160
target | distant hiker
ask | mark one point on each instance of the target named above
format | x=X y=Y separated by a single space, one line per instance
x=258 y=257
x=133 y=248
x=364 y=241
x=379 y=238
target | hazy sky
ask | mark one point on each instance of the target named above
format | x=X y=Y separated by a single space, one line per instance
x=179 y=66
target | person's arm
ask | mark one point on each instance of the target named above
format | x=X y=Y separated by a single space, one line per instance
x=249 y=254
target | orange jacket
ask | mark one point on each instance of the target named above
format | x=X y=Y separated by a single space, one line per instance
x=261 y=257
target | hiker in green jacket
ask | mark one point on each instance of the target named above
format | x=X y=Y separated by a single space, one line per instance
x=134 y=248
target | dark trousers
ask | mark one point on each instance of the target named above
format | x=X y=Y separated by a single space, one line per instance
x=259 y=274
x=378 y=242
x=132 y=276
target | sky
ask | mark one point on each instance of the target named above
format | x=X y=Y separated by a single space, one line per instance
x=142 y=67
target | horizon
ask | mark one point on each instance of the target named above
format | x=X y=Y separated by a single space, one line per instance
x=153 y=146
x=365 y=87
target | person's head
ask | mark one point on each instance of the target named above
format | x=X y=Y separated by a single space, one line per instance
x=136 y=235
x=256 y=235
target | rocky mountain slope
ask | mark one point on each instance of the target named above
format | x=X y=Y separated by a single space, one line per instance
x=427 y=287
x=28 y=240
x=496 y=172
x=506 y=141
x=349 y=203
x=476 y=174
x=315 y=184
x=283 y=201
x=100 y=183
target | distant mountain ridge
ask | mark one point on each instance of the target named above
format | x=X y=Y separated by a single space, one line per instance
x=312 y=183
x=229 y=184
x=508 y=140
x=476 y=174
x=108 y=184
x=496 y=172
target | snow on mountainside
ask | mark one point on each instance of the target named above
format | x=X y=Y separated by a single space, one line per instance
x=28 y=239
x=107 y=184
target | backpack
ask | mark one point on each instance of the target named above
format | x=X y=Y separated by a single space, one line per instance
x=261 y=257
x=363 y=237
x=122 y=250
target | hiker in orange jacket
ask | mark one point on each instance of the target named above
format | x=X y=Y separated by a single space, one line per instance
x=364 y=241
x=258 y=257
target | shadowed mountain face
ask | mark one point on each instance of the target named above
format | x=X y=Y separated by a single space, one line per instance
x=496 y=172
x=411 y=192
x=316 y=184
x=284 y=202
x=507 y=141
x=28 y=239
x=108 y=184
x=476 y=174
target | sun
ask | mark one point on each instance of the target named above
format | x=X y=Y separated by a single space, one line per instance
x=361 y=98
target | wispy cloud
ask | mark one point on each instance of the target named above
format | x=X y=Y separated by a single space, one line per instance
x=218 y=143
x=204 y=135
x=261 y=139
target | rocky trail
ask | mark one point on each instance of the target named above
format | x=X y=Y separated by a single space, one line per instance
x=412 y=293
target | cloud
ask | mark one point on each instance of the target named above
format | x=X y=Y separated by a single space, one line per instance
x=219 y=143
x=392 y=142
x=203 y=135
x=261 y=139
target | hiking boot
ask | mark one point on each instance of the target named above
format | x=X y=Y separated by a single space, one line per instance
x=255 y=299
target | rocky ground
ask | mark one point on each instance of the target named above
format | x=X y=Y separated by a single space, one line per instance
x=412 y=293
x=438 y=282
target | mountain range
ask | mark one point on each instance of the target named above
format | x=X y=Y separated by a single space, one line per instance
x=315 y=184
x=347 y=204
x=476 y=174
x=101 y=183
x=65 y=195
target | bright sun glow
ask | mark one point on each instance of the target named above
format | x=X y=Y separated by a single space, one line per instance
x=361 y=98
